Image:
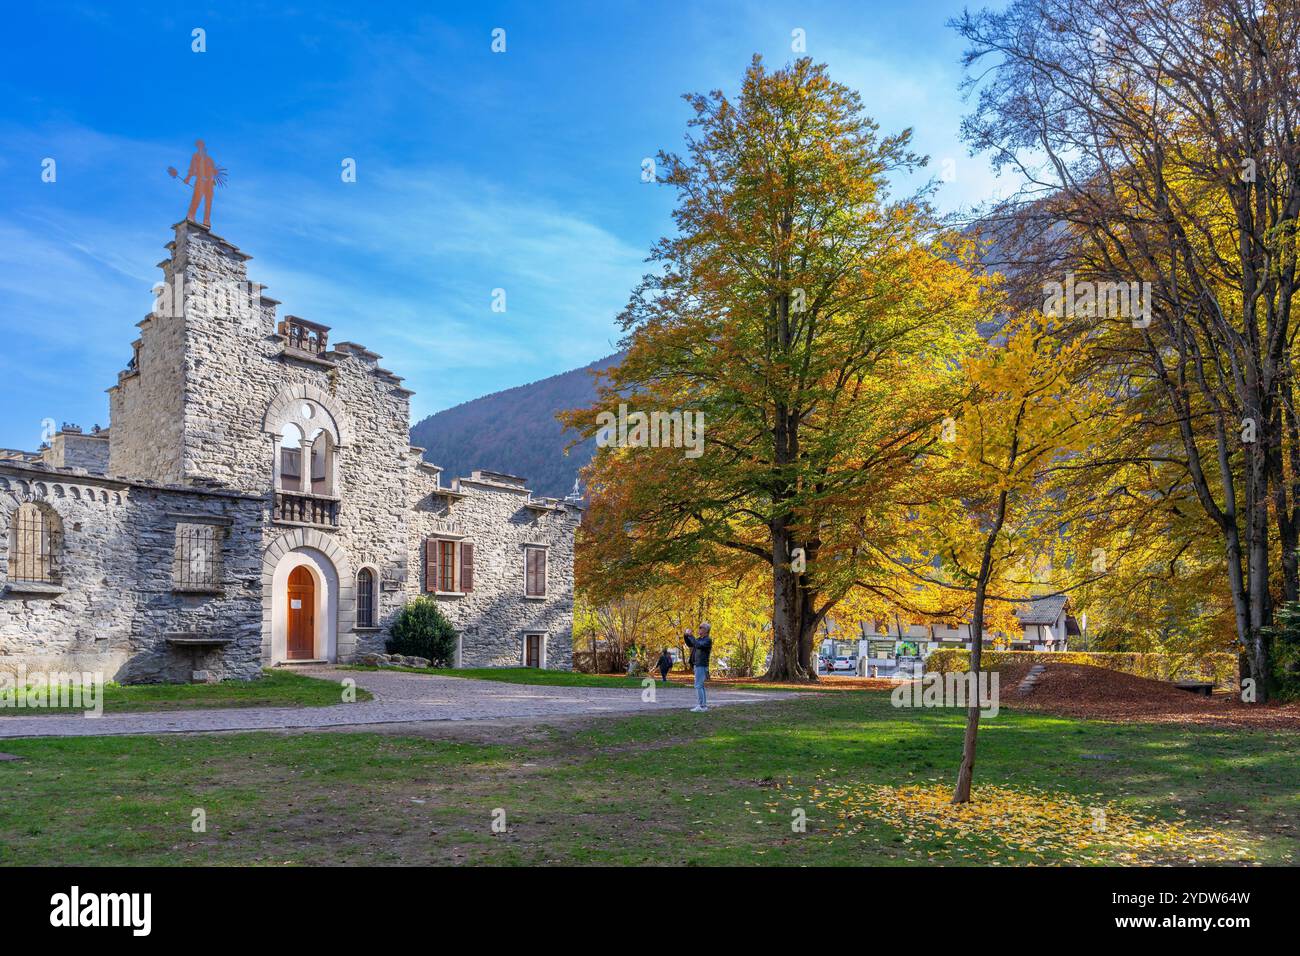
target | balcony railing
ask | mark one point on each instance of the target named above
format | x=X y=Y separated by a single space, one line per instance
x=292 y=508
x=310 y=337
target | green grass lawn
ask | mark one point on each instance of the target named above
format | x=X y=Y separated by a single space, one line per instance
x=669 y=787
x=276 y=688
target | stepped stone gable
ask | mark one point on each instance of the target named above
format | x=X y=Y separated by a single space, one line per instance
x=230 y=425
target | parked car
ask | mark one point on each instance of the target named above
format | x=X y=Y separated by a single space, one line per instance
x=843 y=664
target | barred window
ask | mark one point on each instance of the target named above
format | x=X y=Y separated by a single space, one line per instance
x=198 y=557
x=365 y=598
x=35 y=542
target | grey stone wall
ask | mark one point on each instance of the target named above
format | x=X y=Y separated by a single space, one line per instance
x=147 y=404
x=493 y=619
x=116 y=599
x=69 y=449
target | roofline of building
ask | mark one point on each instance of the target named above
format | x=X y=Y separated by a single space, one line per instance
x=48 y=472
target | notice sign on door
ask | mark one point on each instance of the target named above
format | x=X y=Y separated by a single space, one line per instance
x=296 y=604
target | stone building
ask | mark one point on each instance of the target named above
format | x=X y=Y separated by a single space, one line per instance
x=256 y=500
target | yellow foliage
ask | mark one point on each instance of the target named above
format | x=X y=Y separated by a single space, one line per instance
x=1023 y=821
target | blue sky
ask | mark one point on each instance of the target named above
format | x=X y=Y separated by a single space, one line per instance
x=475 y=170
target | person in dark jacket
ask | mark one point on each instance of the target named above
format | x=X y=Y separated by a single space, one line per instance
x=665 y=665
x=701 y=647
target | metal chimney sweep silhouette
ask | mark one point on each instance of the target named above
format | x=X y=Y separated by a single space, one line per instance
x=206 y=174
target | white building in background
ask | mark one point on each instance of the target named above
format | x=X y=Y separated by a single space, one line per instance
x=1046 y=624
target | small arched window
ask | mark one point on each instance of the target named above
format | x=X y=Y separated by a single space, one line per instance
x=34 y=544
x=366 y=598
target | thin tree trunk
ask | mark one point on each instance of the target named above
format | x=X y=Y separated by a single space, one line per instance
x=966 y=773
x=1285 y=517
x=1261 y=610
x=1289 y=526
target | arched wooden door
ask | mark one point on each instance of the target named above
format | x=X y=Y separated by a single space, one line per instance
x=301 y=632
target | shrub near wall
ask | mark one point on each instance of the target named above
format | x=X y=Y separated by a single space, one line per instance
x=422 y=630
x=1220 y=667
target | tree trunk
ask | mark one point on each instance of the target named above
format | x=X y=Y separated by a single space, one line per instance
x=1289 y=506
x=794 y=618
x=807 y=638
x=966 y=773
x=1261 y=599
x=791 y=624
x=1288 y=535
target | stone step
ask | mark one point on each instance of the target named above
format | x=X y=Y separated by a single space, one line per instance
x=1026 y=685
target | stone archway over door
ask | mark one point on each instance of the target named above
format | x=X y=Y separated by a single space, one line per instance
x=334 y=589
x=308 y=632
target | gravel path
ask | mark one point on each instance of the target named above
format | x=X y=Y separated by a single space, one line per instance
x=399 y=698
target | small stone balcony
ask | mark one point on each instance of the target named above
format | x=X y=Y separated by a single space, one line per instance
x=306 y=510
x=303 y=339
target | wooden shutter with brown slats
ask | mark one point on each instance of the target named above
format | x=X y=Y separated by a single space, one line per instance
x=535 y=584
x=467 y=566
x=430 y=565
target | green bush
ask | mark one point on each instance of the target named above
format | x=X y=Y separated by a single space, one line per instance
x=1221 y=668
x=422 y=630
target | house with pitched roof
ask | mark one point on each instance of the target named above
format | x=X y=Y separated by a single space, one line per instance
x=1045 y=624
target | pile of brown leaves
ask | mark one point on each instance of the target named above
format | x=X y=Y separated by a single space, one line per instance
x=1077 y=690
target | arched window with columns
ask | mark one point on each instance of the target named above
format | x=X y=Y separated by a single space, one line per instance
x=309 y=436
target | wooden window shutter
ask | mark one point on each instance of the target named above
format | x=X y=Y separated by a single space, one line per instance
x=535 y=583
x=467 y=566
x=430 y=565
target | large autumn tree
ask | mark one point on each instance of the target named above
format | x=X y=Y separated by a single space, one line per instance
x=817 y=324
